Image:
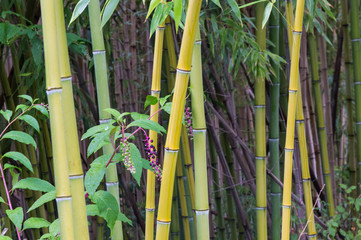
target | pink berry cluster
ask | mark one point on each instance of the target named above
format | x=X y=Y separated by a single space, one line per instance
x=127 y=158
x=188 y=121
x=151 y=153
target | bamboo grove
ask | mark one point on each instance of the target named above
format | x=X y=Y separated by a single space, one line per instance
x=192 y=119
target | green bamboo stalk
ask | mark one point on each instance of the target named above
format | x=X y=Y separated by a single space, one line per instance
x=260 y=127
x=349 y=98
x=101 y=78
x=274 y=126
x=221 y=230
x=230 y=204
x=356 y=56
x=199 y=142
x=321 y=122
x=53 y=87
x=72 y=145
x=175 y=226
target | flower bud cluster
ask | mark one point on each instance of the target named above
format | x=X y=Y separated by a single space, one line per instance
x=127 y=158
x=188 y=121
x=152 y=157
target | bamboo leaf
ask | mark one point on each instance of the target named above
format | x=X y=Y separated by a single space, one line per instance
x=251 y=3
x=108 y=10
x=217 y=3
x=35 y=184
x=150 y=100
x=16 y=216
x=267 y=13
x=54 y=228
x=31 y=121
x=156 y=19
x=47 y=197
x=42 y=110
x=17 y=156
x=153 y=4
x=35 y=222
x=79 y=8
x=233 y=4
x=6 y=114
x=147 y=124
x=20 y=137
x=178 y=8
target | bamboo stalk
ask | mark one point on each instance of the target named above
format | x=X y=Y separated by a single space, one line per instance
x=175 y=226
x=174 y=128
x=155 y=91
x=356 y=56
x=321 y=123
x=54 y=90
x=72 y=145
x=274 y=126
x=289 y=146
x=101 y=78
x=260 y=127
x=199 y=142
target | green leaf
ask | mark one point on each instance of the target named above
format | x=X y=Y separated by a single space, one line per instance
x=47 y=197
x=233 y=4
x=98 y=128
x=97 y=142
x=108 y=207
x=146 y=164
x=108 y=10
x=217 y=3
x=163 y=100
x=147 y=124
x=153 y=4
x=16 y=216
x=167 y=107
x=137 y=116
x=42 y=110
x=150 y=100
x=20 y=137
x=31 y=121
x=35 y=222
x=116 y=114
x=178 y=8
x=9 y=32
x=30 y=99
x=92 y=210
x=137 y=160
x=79 y=8
x=251 y=3
x=4 y=237
x=35 y=184
x=2 y=200
x=123 y=218
x=267 y=13
x=6 y=114
x=23 y=107
x=17 y=156
x=95 y=174
x=54 y=228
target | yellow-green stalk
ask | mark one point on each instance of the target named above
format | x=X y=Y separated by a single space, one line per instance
x=54 y=91
x=300 y=122
x=260 y=127
x=199 y=142
x=289 y=146
x=155 y=91
x=72 y=144
x=175 y=121
x=322 y=134
x=101 y=78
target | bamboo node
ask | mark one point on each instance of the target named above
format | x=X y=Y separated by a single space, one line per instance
x=111 y=183
x=65 y=198
x=103 y=121
x=98 y=52
x=63 y=79
x=163 y=222
x=53 y=90
x=202 y=212
x=183 y=71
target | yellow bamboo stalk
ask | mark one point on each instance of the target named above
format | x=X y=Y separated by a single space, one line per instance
x=289 y=146
x=300 y=121
x=72 y=145
x=155 y=91
x=54 y=90
x=175 y=121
